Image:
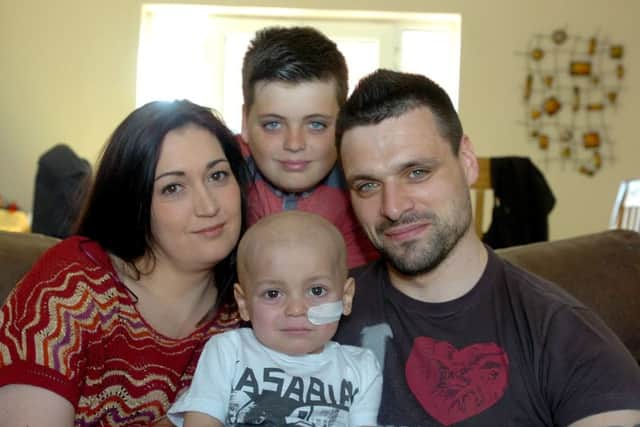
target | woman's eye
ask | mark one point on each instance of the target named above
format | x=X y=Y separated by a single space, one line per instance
x=318 y=291
x=218 y=176
x=171 y=189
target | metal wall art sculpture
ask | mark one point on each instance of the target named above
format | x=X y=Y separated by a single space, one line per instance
x=572 y=84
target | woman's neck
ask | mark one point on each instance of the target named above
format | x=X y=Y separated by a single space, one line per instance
x=173 y=301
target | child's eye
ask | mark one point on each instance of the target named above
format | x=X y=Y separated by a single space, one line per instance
x=318 y=291
x=317 y=125
x=272 y=125
x=271 y=293
x=171 y=189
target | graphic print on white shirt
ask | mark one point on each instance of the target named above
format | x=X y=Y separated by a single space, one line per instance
x=271 y=396
x=240 y=382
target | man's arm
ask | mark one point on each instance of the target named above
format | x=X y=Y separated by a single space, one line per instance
x=626 y=418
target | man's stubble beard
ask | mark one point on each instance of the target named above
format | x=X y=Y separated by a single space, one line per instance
x=417 y=257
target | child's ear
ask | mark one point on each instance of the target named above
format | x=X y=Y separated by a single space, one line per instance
x=245 y=125
x=347 y=295
x=241 y=300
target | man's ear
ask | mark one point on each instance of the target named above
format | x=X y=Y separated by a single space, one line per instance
x=241 y=300
x=468 y=160
x=347 y=295
x=245 y=123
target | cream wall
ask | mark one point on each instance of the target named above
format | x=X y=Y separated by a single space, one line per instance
x=68 y=69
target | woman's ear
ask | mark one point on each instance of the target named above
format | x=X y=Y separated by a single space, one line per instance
x=347 y=295
x=241 y=300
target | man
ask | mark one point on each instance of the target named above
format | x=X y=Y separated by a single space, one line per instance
x=464 y=337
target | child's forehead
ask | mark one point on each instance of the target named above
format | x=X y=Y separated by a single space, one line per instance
x=287 y=257
x=313 y=241
x=266 y=89
x=291 y=237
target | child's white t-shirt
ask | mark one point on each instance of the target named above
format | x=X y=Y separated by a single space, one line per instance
x=239 y=381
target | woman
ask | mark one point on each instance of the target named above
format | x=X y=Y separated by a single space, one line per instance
x=107 y=327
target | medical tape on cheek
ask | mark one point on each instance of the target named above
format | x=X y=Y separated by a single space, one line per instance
x=325 y=313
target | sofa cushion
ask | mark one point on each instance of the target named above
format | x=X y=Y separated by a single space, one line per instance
x=18 y=252
x=602 y=270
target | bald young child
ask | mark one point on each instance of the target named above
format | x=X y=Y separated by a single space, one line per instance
x=293 y=288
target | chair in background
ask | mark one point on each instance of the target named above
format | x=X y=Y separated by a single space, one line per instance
x=481 y=185
x=626 y=208
x=522 y=201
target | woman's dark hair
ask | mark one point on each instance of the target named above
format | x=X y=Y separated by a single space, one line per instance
x=117 y=213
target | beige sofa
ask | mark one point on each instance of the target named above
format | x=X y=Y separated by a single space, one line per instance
x=602 y=270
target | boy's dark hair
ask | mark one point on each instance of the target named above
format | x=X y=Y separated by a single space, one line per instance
x=293 y=54
x=384 y=94
x=117 y=213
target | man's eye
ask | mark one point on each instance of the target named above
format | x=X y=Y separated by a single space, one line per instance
x=318 y=291
x=171 y=189
x=418 y=173
x=366 y=187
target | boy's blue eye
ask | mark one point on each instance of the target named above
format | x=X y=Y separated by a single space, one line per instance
x=272 y=125
x=316 y=125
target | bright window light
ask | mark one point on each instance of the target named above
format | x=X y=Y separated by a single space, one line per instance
x=195 y=52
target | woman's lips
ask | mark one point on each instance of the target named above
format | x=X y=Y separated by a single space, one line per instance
x=212 y=231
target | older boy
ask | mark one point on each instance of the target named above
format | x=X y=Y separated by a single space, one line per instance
x=294 y=81
x=286 y=371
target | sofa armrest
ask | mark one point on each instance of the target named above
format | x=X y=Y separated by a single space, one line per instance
x=602 y=270
x=18 y=252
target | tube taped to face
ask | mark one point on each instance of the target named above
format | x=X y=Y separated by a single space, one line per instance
x=325 y=313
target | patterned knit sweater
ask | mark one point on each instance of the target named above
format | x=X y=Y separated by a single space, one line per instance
x=72 y=327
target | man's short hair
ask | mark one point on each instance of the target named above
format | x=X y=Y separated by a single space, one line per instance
x=294 y=55
x=384 y=94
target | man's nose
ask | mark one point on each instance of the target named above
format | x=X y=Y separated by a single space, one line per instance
x=395 y=201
